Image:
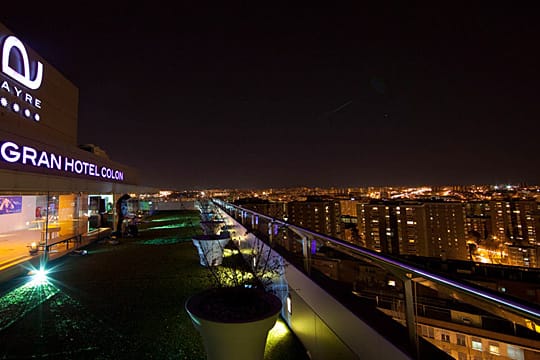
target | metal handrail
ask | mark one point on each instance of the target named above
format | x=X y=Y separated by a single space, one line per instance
x=524 y=315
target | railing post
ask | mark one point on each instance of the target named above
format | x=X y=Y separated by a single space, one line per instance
x=410 y=317
x=271 y=232
x=306 y=252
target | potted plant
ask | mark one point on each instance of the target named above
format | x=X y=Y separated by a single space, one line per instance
x=235 y=315
x=234 y=321
x=211 y=244
x=211 y=226
x=210 y=248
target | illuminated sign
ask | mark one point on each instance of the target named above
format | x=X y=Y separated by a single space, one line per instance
x=23 y=77
x=26 y=155
x=10 y=204
x=17 y=66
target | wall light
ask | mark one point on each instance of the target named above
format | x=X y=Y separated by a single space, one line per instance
x=289 y=304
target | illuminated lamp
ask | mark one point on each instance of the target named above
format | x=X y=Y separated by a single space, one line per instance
x=3 y=102
x=38 y=276
x=37 y=117
x=33 y=248
x=27 y=113
x=16 y=107
x=289 y=304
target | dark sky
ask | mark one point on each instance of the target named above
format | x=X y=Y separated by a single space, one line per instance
x=243 y=96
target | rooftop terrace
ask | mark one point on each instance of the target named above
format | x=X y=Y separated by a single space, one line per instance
x=123 y=301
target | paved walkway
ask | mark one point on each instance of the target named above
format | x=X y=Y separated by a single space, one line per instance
x=14 y=246
x=123 y=301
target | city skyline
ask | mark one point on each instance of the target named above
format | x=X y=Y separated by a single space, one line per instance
x=267 y=97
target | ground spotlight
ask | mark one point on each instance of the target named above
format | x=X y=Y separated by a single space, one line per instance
x=38 y=276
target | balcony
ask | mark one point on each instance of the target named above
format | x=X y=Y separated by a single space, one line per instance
x=119 y=301
x=360 y=298
x=126 y=301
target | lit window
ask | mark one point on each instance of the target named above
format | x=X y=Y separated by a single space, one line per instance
x=461 y=340
x=476 y=344
x=514 y=352
x=494 y=348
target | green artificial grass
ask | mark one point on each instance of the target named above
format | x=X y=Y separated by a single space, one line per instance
x=123 y=301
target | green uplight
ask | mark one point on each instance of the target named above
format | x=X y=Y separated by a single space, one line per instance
x=172 y=226
x=165 y=241
x=38 y=277
x=278 y=333
x=170 y=218
x=18 y=302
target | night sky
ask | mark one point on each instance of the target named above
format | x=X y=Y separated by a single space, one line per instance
x=242 y=96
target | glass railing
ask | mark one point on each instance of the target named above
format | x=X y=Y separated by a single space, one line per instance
x=416 y=307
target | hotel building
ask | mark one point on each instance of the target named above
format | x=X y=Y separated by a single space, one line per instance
x=54 y=195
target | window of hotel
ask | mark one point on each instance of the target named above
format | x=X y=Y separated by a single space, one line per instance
x=35 y=220
x=476 y=344
x=461 y=340
x=100 y=211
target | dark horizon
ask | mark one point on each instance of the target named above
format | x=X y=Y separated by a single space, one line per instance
x=261 y=97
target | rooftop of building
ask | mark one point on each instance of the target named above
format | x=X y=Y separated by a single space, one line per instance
x=121 y=301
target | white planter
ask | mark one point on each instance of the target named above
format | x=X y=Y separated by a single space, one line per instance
x=239 y=329
x=210 y=248
x=211 y=227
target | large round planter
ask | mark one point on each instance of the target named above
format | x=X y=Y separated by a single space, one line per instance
x=210 y=248
x=211 y=227
x=234 y=322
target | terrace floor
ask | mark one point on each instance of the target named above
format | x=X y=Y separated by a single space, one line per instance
x=123 y=301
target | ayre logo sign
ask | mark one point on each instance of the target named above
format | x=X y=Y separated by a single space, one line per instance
x=24 y=77
x=17 y=65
